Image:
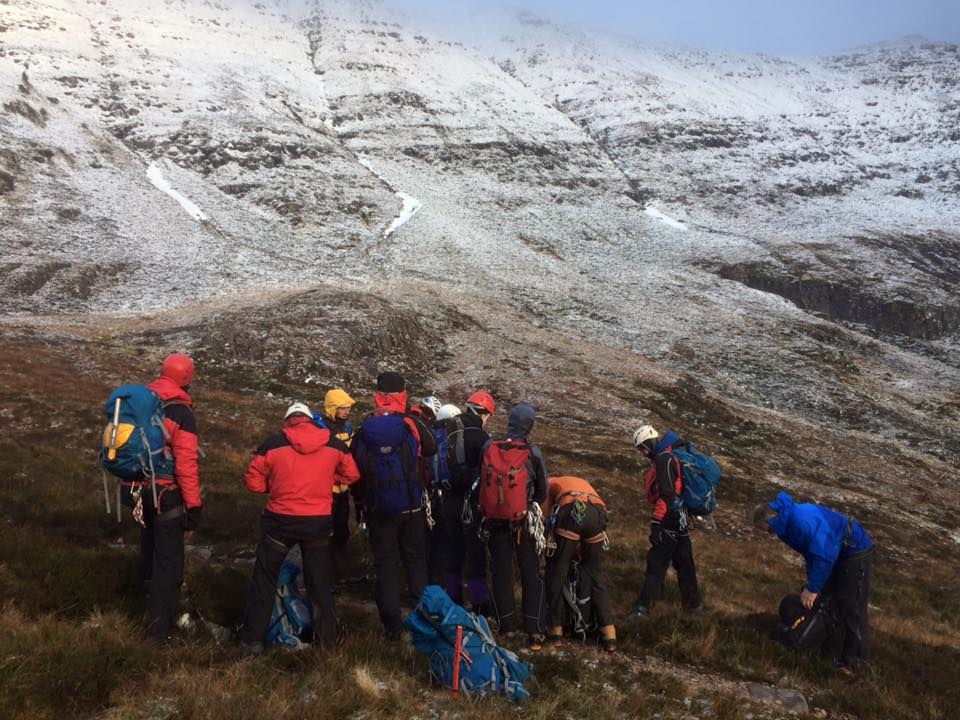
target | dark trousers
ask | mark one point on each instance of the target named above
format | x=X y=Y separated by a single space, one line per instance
x=279 y=534
x=456 y=544
x=340 y=536
x=674 y=547
x=507 y=540
x=161 y=560
x=591 y=522
x=849 y=588
x=395 y=540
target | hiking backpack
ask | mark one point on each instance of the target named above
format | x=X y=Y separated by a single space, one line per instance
x=503 y=480
x=133 y=445
x=701 y=474
x=479 y=665
x=291 y=624
x=449 y=465
x=387 y=455
x=802 y=629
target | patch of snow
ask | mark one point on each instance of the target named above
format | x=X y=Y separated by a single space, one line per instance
x=665 y=219
x=410 y=207
x=155 y=173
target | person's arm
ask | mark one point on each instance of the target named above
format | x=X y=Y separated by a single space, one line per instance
x=255 y=478
x=347 y=472
x=539 y=474
x=184 y=443
x=667 y=470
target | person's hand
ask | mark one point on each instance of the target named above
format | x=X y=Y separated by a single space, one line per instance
x=807 y=598
x=656 y=533
x=192 y=518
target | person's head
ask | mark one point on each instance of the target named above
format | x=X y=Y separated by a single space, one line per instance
x=481 y=403
x=445 y=412
x=391 y=394
x=762 y=514
x=430 y=407
x=297 y=410
x=520 y=420
x=645 y=440
x=337 y=404
x=178 y=369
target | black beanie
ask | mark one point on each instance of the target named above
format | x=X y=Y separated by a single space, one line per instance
x=390 y=382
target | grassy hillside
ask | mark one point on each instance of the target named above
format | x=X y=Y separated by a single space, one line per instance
x=71 y=643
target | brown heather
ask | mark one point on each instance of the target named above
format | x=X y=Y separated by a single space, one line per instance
x=71 y=644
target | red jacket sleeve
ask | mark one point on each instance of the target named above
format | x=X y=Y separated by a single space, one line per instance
x=347 y=471
x=183 y=445
x=256 y=476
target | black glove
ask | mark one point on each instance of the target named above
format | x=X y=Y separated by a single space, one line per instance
x=192 y=518
x=656 y=533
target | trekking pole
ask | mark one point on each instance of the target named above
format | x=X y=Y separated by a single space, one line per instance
x=111 y=446
x=457 y=651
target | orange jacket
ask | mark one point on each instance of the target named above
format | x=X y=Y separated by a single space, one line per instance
x=566 y=489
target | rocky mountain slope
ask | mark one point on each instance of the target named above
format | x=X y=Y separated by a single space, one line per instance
x=776 y=238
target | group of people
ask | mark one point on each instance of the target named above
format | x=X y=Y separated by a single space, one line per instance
x=445 y=503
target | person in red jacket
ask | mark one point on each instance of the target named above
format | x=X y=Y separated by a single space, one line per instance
x=670 y=525
x=179 y=507
x=298 y=467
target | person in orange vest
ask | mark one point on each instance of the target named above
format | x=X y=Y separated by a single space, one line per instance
x=578 y=518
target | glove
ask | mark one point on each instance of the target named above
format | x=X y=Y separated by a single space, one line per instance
x=656 y=533
x=192 y=518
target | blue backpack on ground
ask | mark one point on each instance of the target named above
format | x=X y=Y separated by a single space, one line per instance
x=484 y=666
x=387 y=454
x=291 y=624
x=701 y=474
x=133 y=447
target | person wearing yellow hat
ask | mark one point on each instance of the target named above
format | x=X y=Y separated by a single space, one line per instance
x=337 y=405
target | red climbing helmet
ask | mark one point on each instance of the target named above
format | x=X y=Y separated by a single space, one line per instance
x=178 y=368
x=481 y=401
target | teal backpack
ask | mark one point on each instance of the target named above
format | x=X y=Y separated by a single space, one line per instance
x=134 y=442
x=479 y=665
x=701 y=475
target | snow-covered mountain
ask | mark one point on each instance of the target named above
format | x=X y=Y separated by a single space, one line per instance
x=784 y=230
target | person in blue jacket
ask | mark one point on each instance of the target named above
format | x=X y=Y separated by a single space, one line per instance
x=839 y=559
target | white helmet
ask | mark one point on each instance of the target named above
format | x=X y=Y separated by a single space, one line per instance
x=644 y=433
x=298 y=409
x=431 y=403
x=447 y=411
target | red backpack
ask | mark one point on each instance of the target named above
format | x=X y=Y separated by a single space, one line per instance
x=503 y=480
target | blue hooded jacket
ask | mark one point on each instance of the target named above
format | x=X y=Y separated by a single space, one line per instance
x=819 y=534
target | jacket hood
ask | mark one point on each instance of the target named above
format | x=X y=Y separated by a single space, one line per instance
x=335 y=398
x=169 y=391
x=394 y=402
x=783 y=506
x=304 y=435
x=520 y=421
x=669 y=439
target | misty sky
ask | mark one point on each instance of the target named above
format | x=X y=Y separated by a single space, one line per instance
x=777 y=27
